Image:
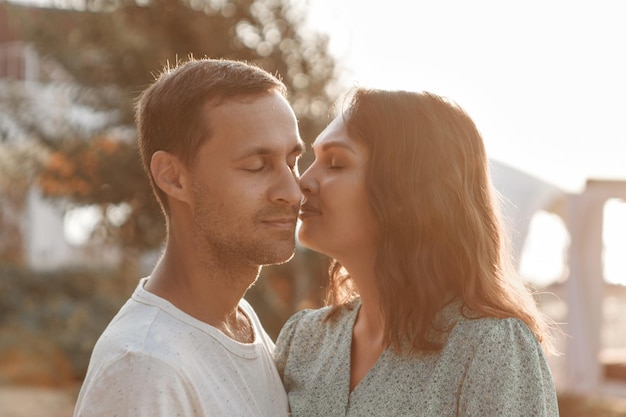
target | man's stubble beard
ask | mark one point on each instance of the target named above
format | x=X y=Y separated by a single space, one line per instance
x=228 y=245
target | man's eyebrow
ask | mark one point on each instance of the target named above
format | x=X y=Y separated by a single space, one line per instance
x=263 y=150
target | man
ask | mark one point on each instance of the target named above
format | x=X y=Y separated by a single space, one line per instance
x=220 y=145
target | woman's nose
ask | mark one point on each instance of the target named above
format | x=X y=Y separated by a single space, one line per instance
x=308 y=184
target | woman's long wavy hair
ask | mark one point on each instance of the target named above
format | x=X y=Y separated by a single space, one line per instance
x=440 y=234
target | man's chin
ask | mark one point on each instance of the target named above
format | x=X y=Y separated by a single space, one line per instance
x=278 y=257
x=287 y=259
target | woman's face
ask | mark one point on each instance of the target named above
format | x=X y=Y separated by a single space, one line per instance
x=335 y=215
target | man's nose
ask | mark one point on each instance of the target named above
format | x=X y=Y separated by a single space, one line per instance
x=287 y=189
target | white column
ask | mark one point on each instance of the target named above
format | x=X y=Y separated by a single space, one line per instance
x=585 y=292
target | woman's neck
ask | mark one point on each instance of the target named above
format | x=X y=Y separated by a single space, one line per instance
x=368 y=333
x=367 y=340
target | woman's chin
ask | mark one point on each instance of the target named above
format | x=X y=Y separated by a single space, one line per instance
x=306 y=240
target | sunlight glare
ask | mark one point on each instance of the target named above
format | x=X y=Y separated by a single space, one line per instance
x=614 y=239
x=543 y=259
x=79 y=223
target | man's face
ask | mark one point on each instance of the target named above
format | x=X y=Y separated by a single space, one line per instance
x=246 y=195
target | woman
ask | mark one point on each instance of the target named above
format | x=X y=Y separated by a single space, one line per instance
x=425 y=318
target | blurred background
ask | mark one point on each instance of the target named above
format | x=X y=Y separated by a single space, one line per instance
x=544 y=82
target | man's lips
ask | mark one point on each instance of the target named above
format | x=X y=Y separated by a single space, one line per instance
x=281 y=221
x=286 y=218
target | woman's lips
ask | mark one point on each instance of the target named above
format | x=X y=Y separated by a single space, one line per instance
x=307 y=211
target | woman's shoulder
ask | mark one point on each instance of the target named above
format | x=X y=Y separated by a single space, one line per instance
x=309 y=332
x=316 y=324
x=322 y=318
x=308 y=316
x=493 y=330
x=482 y=326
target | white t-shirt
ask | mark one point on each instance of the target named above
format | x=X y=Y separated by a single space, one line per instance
x=154 y=360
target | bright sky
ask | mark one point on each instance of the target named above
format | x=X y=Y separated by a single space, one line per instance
x=544 y=80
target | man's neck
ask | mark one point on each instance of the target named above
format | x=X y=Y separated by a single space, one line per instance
x=208 y=293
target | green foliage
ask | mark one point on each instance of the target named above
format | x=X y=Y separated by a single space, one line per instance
x=126 y=46
x=69 y=307
x=106 y=172
x=113 y=50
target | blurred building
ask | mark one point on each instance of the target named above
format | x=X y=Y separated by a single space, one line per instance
x=590 y=311
x=25 y=77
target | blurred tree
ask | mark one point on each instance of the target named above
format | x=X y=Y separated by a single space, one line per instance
x=18 y=167
x=113 y=49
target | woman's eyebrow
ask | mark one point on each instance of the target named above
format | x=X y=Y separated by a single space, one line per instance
x=337 y=144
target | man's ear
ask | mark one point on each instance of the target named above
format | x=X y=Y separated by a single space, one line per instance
x=170 y=175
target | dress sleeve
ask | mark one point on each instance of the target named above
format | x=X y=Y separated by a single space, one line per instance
x=284 y=341
x=508 y=375
x=139 y=386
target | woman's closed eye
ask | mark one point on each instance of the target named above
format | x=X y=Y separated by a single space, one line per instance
x=336 y=163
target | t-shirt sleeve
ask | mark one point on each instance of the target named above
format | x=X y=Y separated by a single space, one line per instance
x=508 y=375
x=285 y=340
x=139 y=386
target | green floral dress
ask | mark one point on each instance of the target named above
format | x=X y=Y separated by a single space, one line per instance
x=488 y=367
